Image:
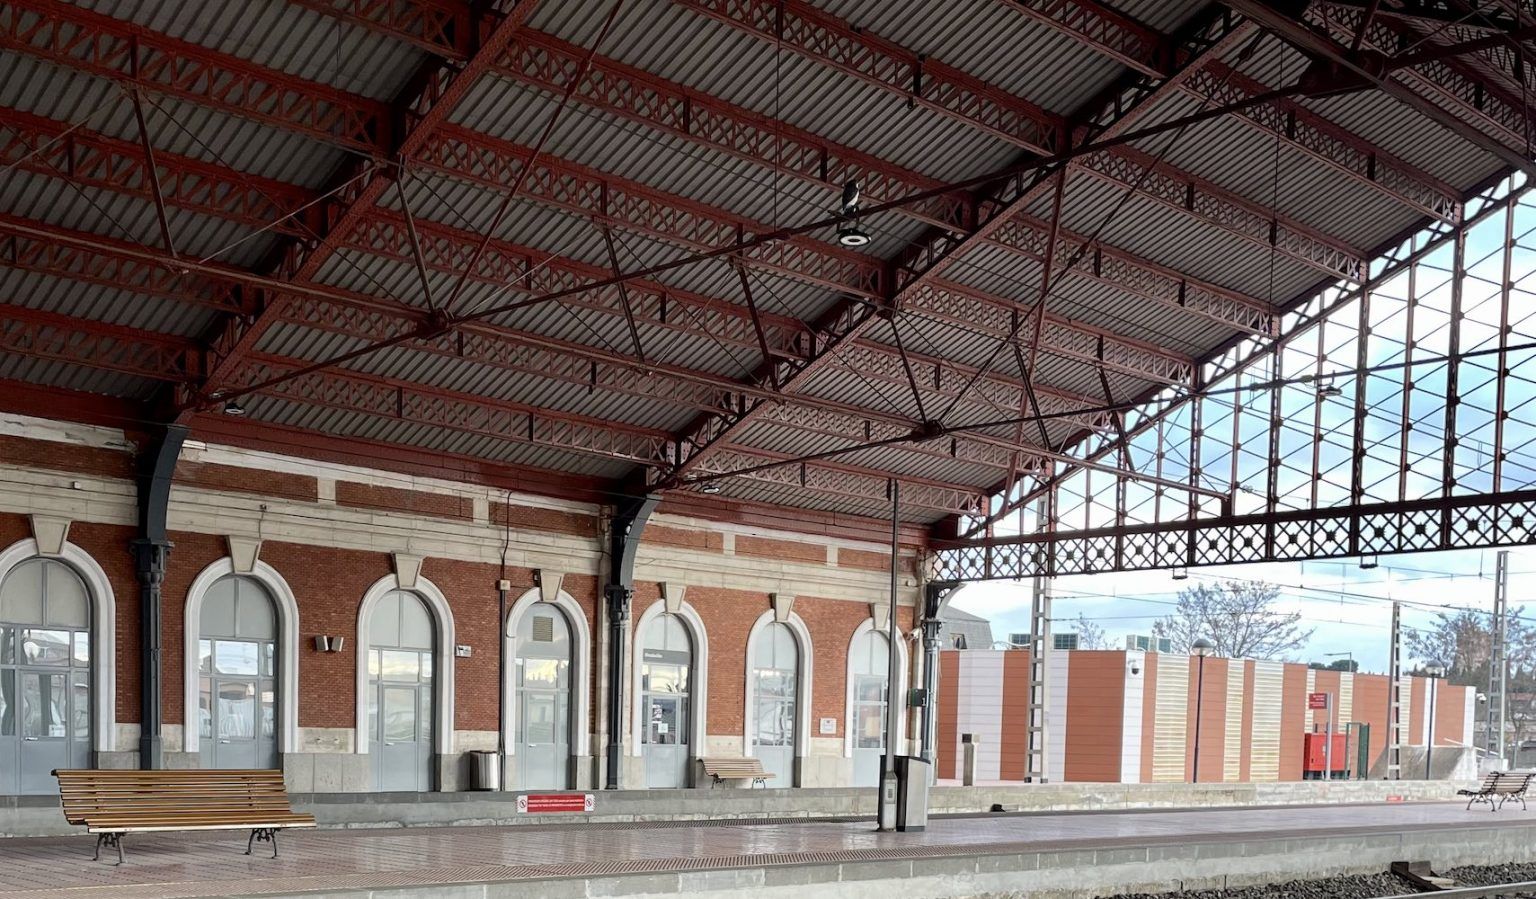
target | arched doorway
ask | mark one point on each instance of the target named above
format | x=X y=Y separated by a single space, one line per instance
x=869 y=659
x=45 y=675
x=402 y=650
x=666 y=707
x=237 y=665
x=543 y=679
x=774 y=687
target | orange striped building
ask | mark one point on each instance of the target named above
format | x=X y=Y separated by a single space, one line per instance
x=1128 y=717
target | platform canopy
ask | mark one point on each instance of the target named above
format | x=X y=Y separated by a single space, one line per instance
x=768 y=254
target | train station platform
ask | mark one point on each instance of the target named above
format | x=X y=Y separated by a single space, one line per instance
x=1054 y=854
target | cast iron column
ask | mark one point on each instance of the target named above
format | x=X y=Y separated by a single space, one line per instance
x=934 y=595
x=629 y=519
x=151 y=549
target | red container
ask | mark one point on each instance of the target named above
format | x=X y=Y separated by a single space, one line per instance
x=1314 y=757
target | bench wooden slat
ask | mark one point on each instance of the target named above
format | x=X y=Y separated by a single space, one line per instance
x=112 y=802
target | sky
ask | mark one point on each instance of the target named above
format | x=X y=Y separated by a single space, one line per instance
x=1347 y=606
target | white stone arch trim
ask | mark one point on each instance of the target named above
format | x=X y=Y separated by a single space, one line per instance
x=581 y=670
x=895 y=698
x=698 y=678
x=442 y=664
x=802 y=683
x=103 y=631
x=287 y=655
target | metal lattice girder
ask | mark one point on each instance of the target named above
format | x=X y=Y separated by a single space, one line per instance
x=442 y=27
x=1307 y=132
x=522 y=270
x=367 y=318
x=402 y=400
x=61 y=338
x=1102 y=29
x=1442 y=523
x=1000 y=319
x=847 y=320
x=428 y=101
x=1134 y=170
x=1159 y=284
x=625 y=204
x=120 y=51
x=928 y=82
x=1488 y=17
x=842 y=481
x=52 y=148
x=1435 y=89
x=547 y=62
x=894 y=68
x=96 y=160
x=1443 y=81
x=132 y=269
x=350 y=391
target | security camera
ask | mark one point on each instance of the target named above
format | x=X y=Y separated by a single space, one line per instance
x=1135 y=668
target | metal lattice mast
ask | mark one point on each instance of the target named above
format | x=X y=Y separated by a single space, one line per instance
x=1037 y=745
x=1497 y=666
x=1395 y=697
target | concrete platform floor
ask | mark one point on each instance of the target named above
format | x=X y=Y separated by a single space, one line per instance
x=535 y=860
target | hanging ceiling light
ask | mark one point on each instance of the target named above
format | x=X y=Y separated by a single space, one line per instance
x=231 y=407
x=710 y=487
x=849 y=234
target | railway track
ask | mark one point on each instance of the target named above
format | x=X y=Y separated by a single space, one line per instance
x=1505 y=890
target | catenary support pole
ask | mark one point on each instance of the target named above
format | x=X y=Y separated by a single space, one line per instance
x=1498 y=666
x=894 y=702
x=629 y=519
x=151 y=550
x=1395 y=697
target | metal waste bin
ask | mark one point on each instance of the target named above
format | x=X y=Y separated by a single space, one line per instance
x=484 y=772
x=912 y=797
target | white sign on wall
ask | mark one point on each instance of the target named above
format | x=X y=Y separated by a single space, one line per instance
x=828 y=726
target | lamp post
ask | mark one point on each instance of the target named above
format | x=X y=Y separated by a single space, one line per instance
x=1201 y=648
x=1434 y=671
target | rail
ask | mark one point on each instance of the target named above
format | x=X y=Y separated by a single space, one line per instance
x=1499 y=889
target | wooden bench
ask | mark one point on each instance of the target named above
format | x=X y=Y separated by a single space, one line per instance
x=736 y=769
x=1501 y=785
x=113 y=803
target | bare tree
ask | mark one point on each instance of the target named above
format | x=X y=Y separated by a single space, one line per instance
x=1090 y=635
x=1240 y=617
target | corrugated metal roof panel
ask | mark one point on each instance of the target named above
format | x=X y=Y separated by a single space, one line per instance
x=281 y=36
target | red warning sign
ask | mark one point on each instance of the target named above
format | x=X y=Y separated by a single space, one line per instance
x=1317 y=700
x=548 y=803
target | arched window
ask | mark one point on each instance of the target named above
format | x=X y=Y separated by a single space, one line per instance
x=543 y=678
x=666 y=707
x=402 y=650
x=773 y=680
x=237 y=665
x=869 y=658
x=45 y=674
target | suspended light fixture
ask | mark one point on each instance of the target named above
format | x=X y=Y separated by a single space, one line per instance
x=1328 y=388
x=849 y=234
x=231 y=407
x=710 y=487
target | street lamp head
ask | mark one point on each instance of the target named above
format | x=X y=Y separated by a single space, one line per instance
x=1202 y=647
x=1434 y=669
